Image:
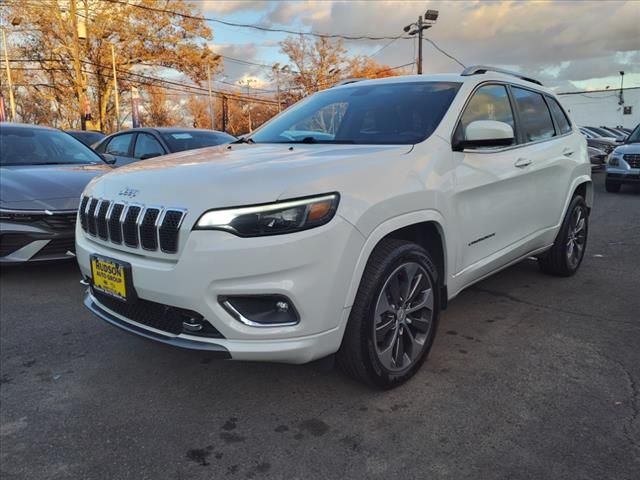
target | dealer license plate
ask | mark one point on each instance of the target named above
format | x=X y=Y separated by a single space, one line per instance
x=109 y=277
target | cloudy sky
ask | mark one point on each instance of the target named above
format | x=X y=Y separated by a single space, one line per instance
x=570 y=44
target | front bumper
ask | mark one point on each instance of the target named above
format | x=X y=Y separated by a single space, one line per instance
x=23 y=242
x=623 y=176
x=312 y=268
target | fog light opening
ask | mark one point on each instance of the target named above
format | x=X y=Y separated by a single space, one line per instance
x=261 y=310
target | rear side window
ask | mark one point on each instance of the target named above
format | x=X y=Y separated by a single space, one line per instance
x=489 y=102
x=535 y=118
x=119 y=145
x=558 y=114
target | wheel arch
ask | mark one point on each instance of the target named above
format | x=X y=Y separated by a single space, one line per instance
x=426 y=228
x=584 y=188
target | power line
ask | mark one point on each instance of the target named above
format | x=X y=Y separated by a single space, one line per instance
x=441 y=50
x=381 y=49
x=257 y=27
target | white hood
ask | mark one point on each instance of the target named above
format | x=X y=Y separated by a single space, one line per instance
x=234 y=175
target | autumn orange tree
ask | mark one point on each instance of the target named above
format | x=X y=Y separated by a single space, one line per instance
x=316 y=65
x=145 y=40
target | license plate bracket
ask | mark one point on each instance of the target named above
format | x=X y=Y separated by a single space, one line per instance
x=113 y=278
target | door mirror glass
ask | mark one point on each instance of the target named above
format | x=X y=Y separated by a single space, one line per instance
x=486 y=133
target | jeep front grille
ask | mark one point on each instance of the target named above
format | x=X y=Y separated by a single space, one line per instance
x=150 y=228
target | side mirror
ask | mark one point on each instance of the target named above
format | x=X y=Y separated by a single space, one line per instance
x=147 y=156
x=108 y=158
x=486 y=133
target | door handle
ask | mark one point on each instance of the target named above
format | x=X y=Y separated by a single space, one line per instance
x=567 y=151
x=522 y=162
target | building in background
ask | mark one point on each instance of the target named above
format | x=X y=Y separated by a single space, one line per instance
x=609 y=108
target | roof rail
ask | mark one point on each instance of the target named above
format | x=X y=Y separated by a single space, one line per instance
x=347 y=81
x=478 y=69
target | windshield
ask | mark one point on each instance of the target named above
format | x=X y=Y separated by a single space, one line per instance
x=34 y=146
x=387 y=113
x=190 y=140
x=634 y=137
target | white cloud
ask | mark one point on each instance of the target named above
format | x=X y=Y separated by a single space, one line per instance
x=561 y=41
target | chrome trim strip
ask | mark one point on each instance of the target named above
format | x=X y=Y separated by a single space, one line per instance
x=238 y=316
x=39 y=212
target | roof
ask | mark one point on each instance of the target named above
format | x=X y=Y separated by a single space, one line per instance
x=449 y=77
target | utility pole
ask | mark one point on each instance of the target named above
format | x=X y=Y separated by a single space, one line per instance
x=6 y=61
x=115 y=87
x=76 y=63
x=248 y=82
x=621 y=101
x=418 y=27
x=211 y=112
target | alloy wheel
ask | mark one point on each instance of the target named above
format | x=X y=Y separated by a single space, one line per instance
x=403 y=316
x=576 y=237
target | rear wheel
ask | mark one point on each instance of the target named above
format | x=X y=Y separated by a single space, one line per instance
x=611 y=186
x=567 y=252
x=394 y=317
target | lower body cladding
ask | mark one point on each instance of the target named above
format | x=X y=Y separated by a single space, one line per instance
x=280 y=298
x=23 y=242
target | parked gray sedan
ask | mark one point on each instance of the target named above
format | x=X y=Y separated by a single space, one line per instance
x=43 y=171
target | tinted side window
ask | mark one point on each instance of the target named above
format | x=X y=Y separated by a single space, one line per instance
x=119 y=145
x=535 y=118
x=147 y=145
x=490 y=102
x=558 y=114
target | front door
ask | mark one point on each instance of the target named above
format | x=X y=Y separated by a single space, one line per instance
x=493 y=192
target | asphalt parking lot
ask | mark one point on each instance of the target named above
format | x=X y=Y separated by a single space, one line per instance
x=530 y=377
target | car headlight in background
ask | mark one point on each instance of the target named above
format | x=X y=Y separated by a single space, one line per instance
x=272 y=219
x=614 y=160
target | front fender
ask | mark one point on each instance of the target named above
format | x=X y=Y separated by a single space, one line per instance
x=384 y=229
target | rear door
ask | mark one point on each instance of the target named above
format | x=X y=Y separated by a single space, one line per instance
x=549 y=147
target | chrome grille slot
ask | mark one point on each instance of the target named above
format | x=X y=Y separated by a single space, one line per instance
x=83 y=212
x=169 y=229
x=134 y=225
x=130 y=226
x=114 y=222
x=91 y=216
x=148 y=230
x=101 y=220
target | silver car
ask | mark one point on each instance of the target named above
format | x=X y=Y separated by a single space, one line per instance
x=42 y=174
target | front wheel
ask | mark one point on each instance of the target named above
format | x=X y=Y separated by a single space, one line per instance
x=394 y=317
x=567 y=252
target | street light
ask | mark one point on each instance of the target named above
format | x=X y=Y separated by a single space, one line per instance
x=418 y=27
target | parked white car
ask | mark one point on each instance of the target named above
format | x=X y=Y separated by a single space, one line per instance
x=344 y=225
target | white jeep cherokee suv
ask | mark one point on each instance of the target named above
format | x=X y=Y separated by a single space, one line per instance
x=344 y=224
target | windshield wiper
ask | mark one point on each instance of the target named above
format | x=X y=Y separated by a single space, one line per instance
x=244 y=140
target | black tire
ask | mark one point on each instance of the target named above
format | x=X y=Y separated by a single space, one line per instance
x=611 y=186
x=359 y=354
x=559 y=260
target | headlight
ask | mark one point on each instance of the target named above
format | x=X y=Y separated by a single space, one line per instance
x=614 y=160
x=272 y=219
